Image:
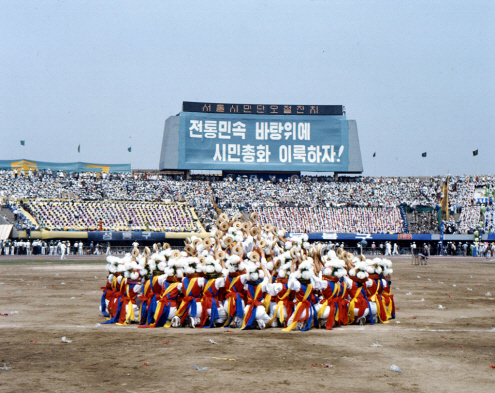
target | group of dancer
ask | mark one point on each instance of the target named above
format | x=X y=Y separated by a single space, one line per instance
x=246 y=276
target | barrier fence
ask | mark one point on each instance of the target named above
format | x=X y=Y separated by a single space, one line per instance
x=85 y=251
x=103 y=251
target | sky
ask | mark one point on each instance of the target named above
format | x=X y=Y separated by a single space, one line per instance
x=417 y=76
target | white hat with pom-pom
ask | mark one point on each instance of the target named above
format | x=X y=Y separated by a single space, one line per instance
x=333 y=267
x=192 y=266
x=212 y=266
x=305 y=270
x=387 y=267
x=360 y=270
x=252 y=270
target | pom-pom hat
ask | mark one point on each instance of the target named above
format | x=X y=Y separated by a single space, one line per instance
x=305 y=270
x=212 y=267
x=333 y=267
x=360 y=271
x=387 y=267
x=376 y=265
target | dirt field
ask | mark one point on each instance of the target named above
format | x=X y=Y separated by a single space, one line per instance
x=438 y=350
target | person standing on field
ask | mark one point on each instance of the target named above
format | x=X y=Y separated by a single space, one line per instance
x=62 y=248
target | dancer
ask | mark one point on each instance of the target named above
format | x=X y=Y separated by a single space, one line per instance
x=282 y=298
x=333 y=308
x=256 y=285
x=235 y=297
x=302 y=283
x=357 y=282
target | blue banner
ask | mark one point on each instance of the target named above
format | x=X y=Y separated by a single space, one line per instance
x=367 y=236
x=263 y=143
x=108 y=236
x=26 y=165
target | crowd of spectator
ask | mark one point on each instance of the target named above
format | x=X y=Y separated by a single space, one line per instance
x=470 y=218
x=112 y=216
x=338 y=219
x=461 y=194
x=377 y=192
x=489 y=219
x=308 y=204
x=450 y=227
x=423 y=222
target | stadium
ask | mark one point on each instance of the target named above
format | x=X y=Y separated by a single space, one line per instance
x=291 y=181
x=287 y=213
x=248 y=196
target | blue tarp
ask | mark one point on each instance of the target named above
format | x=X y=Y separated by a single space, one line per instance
x=64 y=166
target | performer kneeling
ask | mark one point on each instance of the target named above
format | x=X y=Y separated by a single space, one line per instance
x=360 y=308
x=388 y=297
x=332 y=309
x=110 y=288
x=282 y=301
x=375 y=290
x=210 y=307
x=303 y=284
x=235 y=297
x=256 y=285
x=169 y=298
x=130 y=287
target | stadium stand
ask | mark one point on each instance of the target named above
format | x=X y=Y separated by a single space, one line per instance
x=60 y=200
x=423 y=222
x=338 y=219
x=489 y=218
x=114 y=216
x=470 y=218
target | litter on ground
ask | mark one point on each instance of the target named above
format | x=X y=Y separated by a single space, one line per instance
x=395 y=368
x=200 y=369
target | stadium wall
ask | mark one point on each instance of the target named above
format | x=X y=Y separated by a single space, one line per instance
x=110 y=236
x=169 y=156
x=355 y=160
x=46 y=235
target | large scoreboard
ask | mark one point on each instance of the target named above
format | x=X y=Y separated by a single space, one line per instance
x=261 y=138
x=261 y=109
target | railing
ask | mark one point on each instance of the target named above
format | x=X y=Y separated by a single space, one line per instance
x=377 y=252
x=73 y=251
x=122 y=250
